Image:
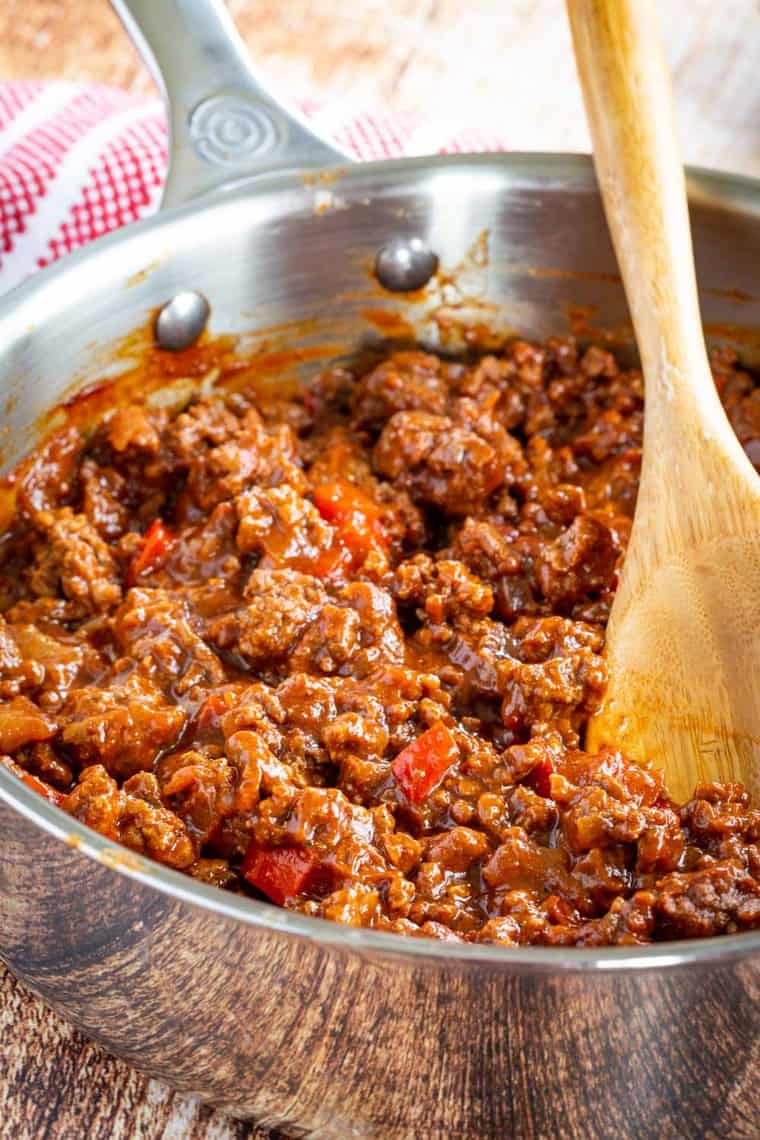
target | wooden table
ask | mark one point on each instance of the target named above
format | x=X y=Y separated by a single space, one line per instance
x=509 y=64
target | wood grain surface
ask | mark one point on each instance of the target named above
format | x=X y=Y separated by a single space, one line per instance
x=501 y=63
x=56 y=1084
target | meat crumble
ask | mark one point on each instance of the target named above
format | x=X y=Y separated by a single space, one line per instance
x=338 y=651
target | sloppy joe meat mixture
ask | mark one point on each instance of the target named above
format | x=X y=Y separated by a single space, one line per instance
x=338 y=651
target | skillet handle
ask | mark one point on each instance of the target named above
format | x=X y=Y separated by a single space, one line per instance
x=224 y=125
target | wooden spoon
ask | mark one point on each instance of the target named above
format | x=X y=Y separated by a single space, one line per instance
x=683 y=642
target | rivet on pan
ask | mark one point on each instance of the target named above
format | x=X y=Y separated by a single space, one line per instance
x=405 y=264
x=182 y=320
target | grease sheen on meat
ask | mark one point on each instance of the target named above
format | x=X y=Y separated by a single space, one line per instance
x=339 y=651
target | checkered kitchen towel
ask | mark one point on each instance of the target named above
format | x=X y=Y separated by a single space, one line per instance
x=77 y=161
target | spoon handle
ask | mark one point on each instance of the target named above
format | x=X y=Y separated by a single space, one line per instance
x=626 y=87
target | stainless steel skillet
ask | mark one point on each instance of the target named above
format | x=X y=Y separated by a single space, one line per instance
x=325 y=1030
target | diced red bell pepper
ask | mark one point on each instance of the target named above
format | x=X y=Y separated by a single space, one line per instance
x=211 y=712
x=332 y=563
x=156 y=544
x=43 y=789
x=354 y=515
x=424 y=762
x=33 y=782
x=280 y=873
x=539 y=778
x=340 y=501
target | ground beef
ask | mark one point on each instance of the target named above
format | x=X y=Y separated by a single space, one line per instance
x=281 y=606
x=408 y=381
x=124 y=727
x=338 y=651
x=157 y=630
x=133 y=815
x=439 y=463
x=72 y=558
x=281 y=527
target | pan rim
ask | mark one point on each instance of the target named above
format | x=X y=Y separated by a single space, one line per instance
x=536 y=168
x=251 y=912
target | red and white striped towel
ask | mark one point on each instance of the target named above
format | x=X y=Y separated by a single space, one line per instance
x=77 y=161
